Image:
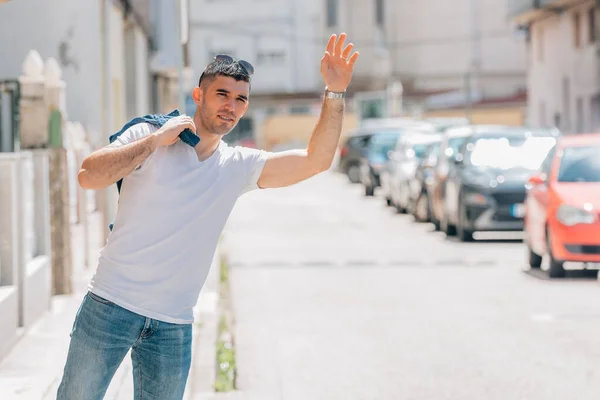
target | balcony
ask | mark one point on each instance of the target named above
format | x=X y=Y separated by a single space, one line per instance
x=525 y=11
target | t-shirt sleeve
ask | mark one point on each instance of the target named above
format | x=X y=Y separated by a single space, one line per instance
x=253 y=162
x=134 y=133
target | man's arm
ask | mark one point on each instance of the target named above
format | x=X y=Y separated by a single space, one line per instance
x=112 y=163
x=289 y=167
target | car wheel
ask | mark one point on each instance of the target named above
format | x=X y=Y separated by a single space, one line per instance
x=421 y=208
x=535 y=260
x=354 y=173
x=369 y=191
x=557 y=269
x=445 y=226
x=464 y=234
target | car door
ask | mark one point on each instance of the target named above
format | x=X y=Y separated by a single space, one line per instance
x=537 y=206
x=453 y=183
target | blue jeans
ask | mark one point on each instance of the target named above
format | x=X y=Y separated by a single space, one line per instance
x=102 y=335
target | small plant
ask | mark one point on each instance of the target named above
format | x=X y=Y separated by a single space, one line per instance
x=225 y=380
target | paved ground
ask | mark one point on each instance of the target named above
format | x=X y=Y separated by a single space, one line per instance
x=338 y=297
x=32 y=370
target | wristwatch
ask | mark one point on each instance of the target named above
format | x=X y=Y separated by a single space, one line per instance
x=334 y=95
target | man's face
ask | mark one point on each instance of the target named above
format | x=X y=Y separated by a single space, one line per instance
x=222 y=103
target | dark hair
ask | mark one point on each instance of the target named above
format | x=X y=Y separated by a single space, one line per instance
x=222 y=68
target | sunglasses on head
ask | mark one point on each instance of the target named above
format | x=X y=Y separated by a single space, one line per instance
x=246 y=66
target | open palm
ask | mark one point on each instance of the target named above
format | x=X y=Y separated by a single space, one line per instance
x=337 y=64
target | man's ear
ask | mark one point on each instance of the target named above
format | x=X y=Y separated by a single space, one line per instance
x=197 y=95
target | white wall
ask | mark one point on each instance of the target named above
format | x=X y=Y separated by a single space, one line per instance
x=358 y=19
x=246 y=29
x=433 y=43
x=44 y=25
x=554 y=58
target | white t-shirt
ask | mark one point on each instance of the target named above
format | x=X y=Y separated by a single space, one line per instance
x=171 y=212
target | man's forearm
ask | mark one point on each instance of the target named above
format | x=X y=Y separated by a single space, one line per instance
x=326 y=136
x=109 y=164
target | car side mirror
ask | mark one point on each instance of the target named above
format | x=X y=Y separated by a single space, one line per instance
x=537 y=180
x=458 y=159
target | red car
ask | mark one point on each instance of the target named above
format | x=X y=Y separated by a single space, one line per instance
x=562 y=208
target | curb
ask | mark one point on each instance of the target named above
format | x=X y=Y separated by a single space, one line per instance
x=202 y=374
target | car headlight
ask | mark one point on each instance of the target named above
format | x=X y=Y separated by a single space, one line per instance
x=569 y=215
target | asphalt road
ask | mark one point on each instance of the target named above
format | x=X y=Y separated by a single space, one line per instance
x=338 y=297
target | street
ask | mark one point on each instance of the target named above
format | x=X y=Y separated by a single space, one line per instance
x=336 y=296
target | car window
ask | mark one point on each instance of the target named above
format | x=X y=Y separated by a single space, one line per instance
x=510 y=152
x=547 y=164
x=580 y=164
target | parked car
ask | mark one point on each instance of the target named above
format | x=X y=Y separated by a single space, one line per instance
x=374 y=157
x=423 y=181
x=408 y=152
x=562 y=208
x=349 y=161
x=451 y=142
x=486 y=189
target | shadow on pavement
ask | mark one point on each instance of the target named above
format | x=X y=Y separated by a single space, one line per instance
x=578 y=274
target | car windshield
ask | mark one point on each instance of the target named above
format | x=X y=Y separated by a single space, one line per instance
x=454 y=145
x=580 y=164
x=380 y=144
x=419 y=150
x=518 y=151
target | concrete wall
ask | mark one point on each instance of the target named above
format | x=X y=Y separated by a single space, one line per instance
x=563 y=79
x=67 y=30
x=433 y=44
x=283 y=130
x=512 y=116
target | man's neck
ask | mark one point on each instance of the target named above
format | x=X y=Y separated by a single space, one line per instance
x=207 y=146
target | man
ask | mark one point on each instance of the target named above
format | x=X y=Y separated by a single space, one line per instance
x=174 y=202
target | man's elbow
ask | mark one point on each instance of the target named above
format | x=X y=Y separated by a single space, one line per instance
x=83 y=177
x=87 y=180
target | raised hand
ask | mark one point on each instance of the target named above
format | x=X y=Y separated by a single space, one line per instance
x=337 y=64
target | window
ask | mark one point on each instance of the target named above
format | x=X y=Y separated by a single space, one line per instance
x=592 y=24
x=332 y=13
x=379 y=15
x=577 y=30
x=270 y=57
x=566 y=100
x=579 y=122
x=542 y=115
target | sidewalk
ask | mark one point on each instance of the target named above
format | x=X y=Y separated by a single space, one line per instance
x=33 y=368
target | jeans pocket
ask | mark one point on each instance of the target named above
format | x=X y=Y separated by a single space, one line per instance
x=99 y=299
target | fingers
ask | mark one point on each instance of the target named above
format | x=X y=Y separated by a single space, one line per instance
x=353 y=59
x=331 y=44
x=340 y=44
x=347 y=51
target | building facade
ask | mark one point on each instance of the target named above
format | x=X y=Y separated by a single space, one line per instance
x=563 y=63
